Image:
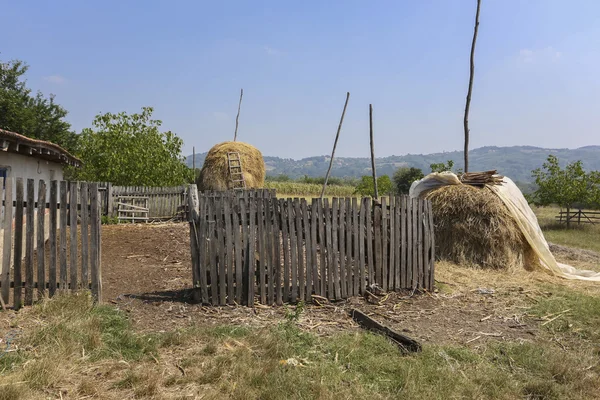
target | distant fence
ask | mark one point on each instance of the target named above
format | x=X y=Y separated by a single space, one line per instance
x=287 y=250
x=164 y=203
x=55 y=241
x=578 y=217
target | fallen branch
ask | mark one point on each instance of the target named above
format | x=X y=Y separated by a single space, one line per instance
x=404 y=342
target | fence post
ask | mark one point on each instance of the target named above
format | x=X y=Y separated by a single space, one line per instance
x=110 y=212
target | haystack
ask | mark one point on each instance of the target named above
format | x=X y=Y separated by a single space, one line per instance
x=473 y=227
x=215 y=171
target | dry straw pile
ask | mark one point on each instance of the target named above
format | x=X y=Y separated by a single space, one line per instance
x=473 y=227
x=215 y=171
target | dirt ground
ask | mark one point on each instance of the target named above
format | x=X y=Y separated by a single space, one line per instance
x=147 y=272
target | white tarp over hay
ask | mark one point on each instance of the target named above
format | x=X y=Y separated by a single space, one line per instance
x=514 y=200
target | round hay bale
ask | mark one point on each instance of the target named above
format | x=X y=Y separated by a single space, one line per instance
x=215 y=171
x=474 y=228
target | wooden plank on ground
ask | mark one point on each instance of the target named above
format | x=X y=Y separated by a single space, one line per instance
x=349 y=284
x=369 y=226
x=85 y=254
x=335 y=248
x=63 y=235
x=322 y=249
x=53 y=222
x=390 y=244
x=307 y=251
x=7 y=239
x=228 y=249
x=73 y=201
x=355 y=253
x=95 y=248
x=415 y=256
x=314 y=221
x=342 y=248
x=300 y=243
x=361 y=246
x=41 y=239
x=29 y=239
x=384 y=244
x=432 y=255
x=286 y=249
x=18 y=245
x=293 y=250
x=405 y=343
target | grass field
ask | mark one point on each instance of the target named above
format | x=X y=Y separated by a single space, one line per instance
x=584 y=236
x=308 y=190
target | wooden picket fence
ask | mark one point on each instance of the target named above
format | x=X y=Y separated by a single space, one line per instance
x=52 y=237
x=164 y=203
x=287 y=250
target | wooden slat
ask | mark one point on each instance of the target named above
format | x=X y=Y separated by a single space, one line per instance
x=293 y=250
x=361 y=246
x=349 y=258
x=262 y=258
x=342 y=247
x=403 y=246
x=41 y=239
x=222 y=256
x=300 y=243
x=314 y=220
x=307 y=251
x=229 y=250
x=63 y=234
x=335 y=248
x=286 y=249
x=426 y=246
x=369 y=226
x=29 y=241
x=85 y=255
x=18 y=243
x=53 y=222
x=397 y=242
x=355 y=246
x=73 y=201
x=203 y=249
x=377 y=247
x=269 y=250
x=214 y=250
x=251 y=251
x=432 y=238
x=237 y=239
x=329 y=249
x=415 y=257
x=322 y=249
x=95 y=243
x=409 y=243
x=7 y=239
x=277 y=266
x=421 y=266
x=390 y=243
x=384 y=244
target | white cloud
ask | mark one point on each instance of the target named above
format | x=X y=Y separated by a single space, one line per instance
x=548 y=54
x=220 y=115
x=55 y=79
x=271 y=51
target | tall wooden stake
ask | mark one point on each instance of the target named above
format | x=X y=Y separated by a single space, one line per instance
x=237 y=118
x=194 y=160
x=335 y=145
x=472 y=73
x=373 y=151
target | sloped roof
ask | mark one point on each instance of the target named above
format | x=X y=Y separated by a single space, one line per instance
x=15 y=143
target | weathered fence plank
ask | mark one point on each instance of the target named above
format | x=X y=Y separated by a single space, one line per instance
x=63 y=235
x=384 y=243
x=95 y=245
x=85 y=255
x=300 y=244
x=293 y=250
x=322 y=251
x=18 y=242
x=369 y=242
x=342 y=247
x=314 y=221
x=73 y=201
x=286 y=249
x=41 y=240
x=415 y=256
x=390 y=244
x=361 y=246
x=307 y=250
x=7 y=243
x=29 y=239
x=53 y=216
x=229 y=250
x=349 y=254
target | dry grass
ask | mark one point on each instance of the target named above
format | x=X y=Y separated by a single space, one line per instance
x=474 y=228
x=215 y=171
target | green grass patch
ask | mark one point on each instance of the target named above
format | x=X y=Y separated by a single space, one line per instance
x=291 y=189
x=584 y=236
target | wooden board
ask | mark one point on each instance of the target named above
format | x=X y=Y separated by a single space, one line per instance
x=369 y=242
x=18 y=242
x=361 y=246
x=52 y=245
x=63 y=235
x=293 y=251
x=377 y=246
x=390 y=245
x=342 y=248
x=384 y=244
x=7 y=239
x=95 y=244
x=313 y=245
x=286 y=249
x=356 y=271
x=307 y=250
x=322 y=249
x=229 y=250
x=40 y=238
x=73 y=201
x=85 y=243
x=29 y=241
x=300 y=244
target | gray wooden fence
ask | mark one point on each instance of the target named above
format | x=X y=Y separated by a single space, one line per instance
x=286 y=250
x=164 y=203
x=54 y=240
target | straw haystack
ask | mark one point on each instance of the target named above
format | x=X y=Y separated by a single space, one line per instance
x=215 y=171
x=473 y=227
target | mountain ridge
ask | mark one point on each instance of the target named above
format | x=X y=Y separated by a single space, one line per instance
x=516 y=162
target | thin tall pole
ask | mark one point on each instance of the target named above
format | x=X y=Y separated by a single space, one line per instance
x=472 y=73
x=373 y=151
x=194 y=160
x=335 y=145
x=237 y=118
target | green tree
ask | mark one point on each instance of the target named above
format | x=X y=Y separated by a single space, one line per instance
x=31 y=115
x=366 y=187
x=130 y=150
x=442 y=167
x=567 y=187
x=404 y=177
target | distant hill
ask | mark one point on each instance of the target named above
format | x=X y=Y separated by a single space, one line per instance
x=515 y=162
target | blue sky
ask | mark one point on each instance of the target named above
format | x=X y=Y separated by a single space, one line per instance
x=536 y=81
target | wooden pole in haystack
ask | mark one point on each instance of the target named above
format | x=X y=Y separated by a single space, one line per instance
x=194 y=159
x=472 y=73
x=373 y=151
x=237 y=118
x=335 y=145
